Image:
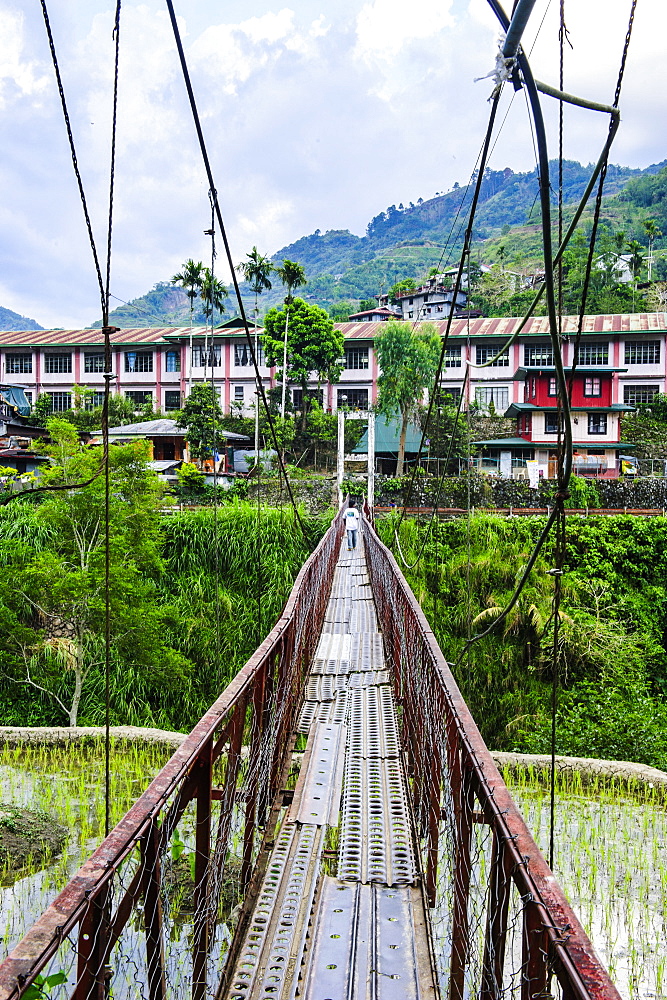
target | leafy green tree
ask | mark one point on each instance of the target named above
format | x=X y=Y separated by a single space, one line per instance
x=313 y=346
x=61 y=594
x=408 y=360
x=399 y=288
x=191 y=278
x=201 y=417
x=340 y=311
x=292 y=276
x=213 y=294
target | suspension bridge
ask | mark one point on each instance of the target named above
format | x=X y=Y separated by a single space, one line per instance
x=341 y=780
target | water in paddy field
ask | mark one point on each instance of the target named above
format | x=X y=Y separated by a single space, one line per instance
x=67 y=783
x=611 y=860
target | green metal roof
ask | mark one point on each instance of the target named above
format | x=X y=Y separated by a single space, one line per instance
x=515 y=442
x=387 y=432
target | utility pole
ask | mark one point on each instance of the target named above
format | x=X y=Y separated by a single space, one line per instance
x=341 y=453
x=371 y=460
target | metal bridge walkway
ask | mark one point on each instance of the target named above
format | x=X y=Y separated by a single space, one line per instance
x=398 y=867
x=340 y=912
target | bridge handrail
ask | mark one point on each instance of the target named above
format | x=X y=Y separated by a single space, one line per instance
x=553 y=938
x=273 y=674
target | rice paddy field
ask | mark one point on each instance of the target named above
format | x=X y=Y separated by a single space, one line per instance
x=610 y=857
x=68 y=784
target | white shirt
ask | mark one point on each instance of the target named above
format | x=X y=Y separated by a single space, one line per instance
x=351 y=519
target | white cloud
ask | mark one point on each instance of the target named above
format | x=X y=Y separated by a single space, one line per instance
x=312 y=120
x=25 y=74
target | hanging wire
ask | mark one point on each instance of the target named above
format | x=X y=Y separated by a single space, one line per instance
x=104 y=290
x=237 y=290
x=560 y=542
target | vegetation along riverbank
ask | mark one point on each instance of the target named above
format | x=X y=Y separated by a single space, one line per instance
x=612 y=683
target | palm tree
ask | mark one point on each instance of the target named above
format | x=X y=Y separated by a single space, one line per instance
x=256 y=270
x=653 y=233
x=635 y=263
x=213 y=294
x=190 y=278
x=292 y=276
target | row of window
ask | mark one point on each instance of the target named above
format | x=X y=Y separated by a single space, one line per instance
x=61 y=401
x=597 y=423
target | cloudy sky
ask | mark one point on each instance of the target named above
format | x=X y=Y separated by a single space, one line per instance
x=317 y=116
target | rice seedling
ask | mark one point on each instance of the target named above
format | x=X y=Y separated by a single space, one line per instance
x=611 y=860
x=66 y=783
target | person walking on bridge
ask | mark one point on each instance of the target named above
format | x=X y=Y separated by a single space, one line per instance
x=351 y=526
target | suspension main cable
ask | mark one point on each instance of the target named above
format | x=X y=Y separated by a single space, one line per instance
x=548 y=287
x=228 y=253
x=457 y=286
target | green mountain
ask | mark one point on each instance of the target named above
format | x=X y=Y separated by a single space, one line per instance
x=405 y=241
x=10 y=320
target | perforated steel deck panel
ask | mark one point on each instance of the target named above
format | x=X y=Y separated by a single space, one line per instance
x=273 y=948
x=368 y=942
x=317 y=794
x=368 y=938
x=376 y=834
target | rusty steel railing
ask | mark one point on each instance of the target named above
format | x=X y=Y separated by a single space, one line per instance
x=121 y=925
x=501 y=923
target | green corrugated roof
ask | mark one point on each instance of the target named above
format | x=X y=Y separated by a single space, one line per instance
x=387 y=433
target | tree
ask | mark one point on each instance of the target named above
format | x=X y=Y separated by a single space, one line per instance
x=256 y=270
x=314 y=345
x=201 y=417
x=59 y=596
x=653 y=233
x=191 y=279
x=408 y=361
x=400 y=287
x=213 y=294
x=292 y=276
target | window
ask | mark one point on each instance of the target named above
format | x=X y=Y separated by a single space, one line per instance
x=639 y=395
x=356 y=357
x=56 y=364
x=28 y=395
x=18 y=364
x=138 y=361
x=553 y=388
x=597 y=423
x=453 y=357
x=60 y=401
x=239 y=393
x=495 y=395
x=140 y=397
x=592 y=387
x=243 y=356
x=355 y=399
x=297 y=397
x=551 y=423
x=487 y=352
x=538 y=355
x=95 y=399
x=524 y=423
x=207 y=356
x=172 y=399
x=593 y=354
x=93 y=363
x=173 y=363
x=642 y=353
x=448 y=395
